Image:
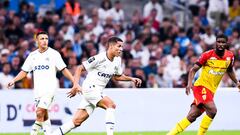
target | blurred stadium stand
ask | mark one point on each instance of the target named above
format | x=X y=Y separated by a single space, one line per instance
x=162 y=42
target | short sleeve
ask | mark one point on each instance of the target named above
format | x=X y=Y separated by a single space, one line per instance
x=232 y=62
x=203 y=58
x=119 y=70
x=90 y=63
x=27 y=66
x=59 y=62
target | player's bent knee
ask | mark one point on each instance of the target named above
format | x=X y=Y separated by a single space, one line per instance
x=193 y=116
x=113 y=106
x=108 y=105
x=40 y=114
x=212 y=112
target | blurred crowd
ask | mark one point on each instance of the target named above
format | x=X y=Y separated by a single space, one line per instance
x=162 y=40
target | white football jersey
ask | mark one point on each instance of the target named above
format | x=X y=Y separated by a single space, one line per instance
x=44 y=66
x=100 y=70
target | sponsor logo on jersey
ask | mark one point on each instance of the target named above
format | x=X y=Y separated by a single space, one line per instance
x=215 y=72
x=41 y=67
x=104 y=75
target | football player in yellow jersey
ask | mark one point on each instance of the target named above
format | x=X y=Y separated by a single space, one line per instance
x=214 y=64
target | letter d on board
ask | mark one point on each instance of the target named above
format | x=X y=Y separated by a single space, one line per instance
x=11 y=112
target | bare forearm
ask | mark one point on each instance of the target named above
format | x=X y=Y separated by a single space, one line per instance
x=67 y=74
x=232 y=75
x=191 y=76
x=20 y=76
x=78 y=73
x=123 y=78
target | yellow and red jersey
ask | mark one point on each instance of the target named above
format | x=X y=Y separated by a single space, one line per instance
x=213 y=69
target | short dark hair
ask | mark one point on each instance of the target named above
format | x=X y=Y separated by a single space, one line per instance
x=165 y=19
x=6 y=63
x=117 y=2
x=222 y=36
x=114 y=40
x=41 y=32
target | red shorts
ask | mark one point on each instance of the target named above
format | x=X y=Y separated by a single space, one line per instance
x=202 y=95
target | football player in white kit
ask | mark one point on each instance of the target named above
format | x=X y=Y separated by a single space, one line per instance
x=101 y=68
x=44 y=63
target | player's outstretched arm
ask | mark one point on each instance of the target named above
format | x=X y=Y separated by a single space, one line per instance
x=191 y=75
x=232 y=75
x=123 y=77
x=76 y=89
x=78 y=73
x=19 y=76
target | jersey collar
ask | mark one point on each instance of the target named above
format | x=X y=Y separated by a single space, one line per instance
x=43 y=51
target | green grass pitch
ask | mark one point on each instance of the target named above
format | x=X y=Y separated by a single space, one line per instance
x=146 y=133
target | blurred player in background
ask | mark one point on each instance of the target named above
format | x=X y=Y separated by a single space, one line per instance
x=101 y=68
x=214 y=64
x=44 y=63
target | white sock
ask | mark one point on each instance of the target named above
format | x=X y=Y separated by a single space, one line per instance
x=35 y=127
x=65 y=128
x=110 y=120
x=47 y=128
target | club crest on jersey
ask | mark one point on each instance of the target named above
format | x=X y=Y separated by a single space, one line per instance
x=91 y=59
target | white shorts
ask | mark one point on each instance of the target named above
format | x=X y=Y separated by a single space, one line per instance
x=90 y=99
x=43 y=102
